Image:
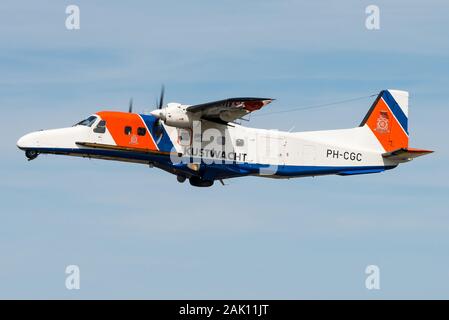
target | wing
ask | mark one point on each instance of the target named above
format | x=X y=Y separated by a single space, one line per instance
x=224 y=111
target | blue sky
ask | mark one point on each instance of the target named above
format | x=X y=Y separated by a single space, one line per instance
x=137 y=233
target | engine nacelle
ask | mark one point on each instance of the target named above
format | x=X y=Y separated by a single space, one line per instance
x=177 y=118
x=174 y=115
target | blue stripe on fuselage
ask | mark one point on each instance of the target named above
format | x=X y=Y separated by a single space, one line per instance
x=162 y=140
x=216 y=171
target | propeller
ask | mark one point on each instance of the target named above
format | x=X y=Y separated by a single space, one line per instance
x=159 y=113
x=130 y=109
x=159 y=103
x=161 y=99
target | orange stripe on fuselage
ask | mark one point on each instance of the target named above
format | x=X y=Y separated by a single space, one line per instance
x=386 y=128
x=116 y=123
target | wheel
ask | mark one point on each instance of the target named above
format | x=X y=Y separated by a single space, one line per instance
x=181 y=179
x=198 y=182
x=31 y=154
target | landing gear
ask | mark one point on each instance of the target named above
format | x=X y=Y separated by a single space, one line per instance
x=181 y=179
x=31 y=154
x=198 y=182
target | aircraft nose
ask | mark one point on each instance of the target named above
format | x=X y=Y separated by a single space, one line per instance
x=27 y=141
x=21 y=142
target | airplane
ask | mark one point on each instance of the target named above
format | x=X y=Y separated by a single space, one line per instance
x=205 y=143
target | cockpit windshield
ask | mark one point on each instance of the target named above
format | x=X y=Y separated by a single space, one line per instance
x=87 y=122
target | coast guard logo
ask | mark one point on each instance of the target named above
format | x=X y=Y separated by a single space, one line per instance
x=383 y=125
x=133 y=139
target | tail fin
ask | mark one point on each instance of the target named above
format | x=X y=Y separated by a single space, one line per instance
x=388 y=119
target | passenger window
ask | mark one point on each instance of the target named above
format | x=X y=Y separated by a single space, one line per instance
x=141 y=131
x=101 y=127
x=239 y=142
x=128 y=130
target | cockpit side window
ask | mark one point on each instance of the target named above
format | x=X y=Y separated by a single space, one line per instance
x=87 y=122
x=101 y=127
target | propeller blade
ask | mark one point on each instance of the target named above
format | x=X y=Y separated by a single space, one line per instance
x=161 y=99
x=130 y=109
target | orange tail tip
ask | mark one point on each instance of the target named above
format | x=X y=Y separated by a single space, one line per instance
x=388 y=119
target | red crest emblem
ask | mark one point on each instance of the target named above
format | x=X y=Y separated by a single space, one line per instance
x=383 y=123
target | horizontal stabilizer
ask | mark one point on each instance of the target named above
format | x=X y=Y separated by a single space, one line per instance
x=405 y=154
